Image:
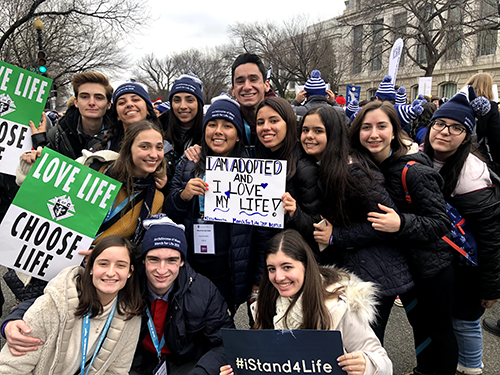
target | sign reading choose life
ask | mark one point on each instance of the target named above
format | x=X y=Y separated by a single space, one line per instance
x=22 y=98
x=245 y=191
x=56 y=212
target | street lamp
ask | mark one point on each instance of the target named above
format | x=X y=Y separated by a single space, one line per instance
x=42 y=68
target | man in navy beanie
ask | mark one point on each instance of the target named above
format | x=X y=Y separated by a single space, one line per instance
x=184 y=311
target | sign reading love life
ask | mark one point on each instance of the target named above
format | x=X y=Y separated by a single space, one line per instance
x=245 y=191
x=22 y=98
x=56 y=212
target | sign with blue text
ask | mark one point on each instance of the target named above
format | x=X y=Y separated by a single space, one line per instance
x=22 y=98
x=295 y=352
x=245 y=191
x=56 y=212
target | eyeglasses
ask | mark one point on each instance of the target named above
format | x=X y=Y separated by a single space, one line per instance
x=454 y=129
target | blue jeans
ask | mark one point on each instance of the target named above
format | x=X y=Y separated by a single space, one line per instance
x=470 y=342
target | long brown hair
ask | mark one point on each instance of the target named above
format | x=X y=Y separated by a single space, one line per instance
x=129 y=298
x=316 y=279
x=398 y=146
x=286 y=112
x=123 y=167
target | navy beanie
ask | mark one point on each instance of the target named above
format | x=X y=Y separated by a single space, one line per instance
x=464 y=107
x=401 y=96
x=189 y=83
x=162 y=232
x=224 y=107
x=352 y=108
x=386 y=89
x=131 y=88
x=315 y=85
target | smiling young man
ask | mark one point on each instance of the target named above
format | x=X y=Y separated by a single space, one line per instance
x=184 y=308
x=250 y=86
x=85 y=123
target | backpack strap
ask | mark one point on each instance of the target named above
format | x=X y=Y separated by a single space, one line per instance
x=403 y=179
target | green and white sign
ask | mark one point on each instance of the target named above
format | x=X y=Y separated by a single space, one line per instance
x=22 y=98
x=56 y=212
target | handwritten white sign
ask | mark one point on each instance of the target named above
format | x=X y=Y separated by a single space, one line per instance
x=245 y=191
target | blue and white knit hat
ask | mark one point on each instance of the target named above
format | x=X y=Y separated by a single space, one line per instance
x=315 y=85
x=352 y=108
x=386 y=89
x=401 y=95
x=408 y=113
x=162 y=232
x=464 y=107
x=163 y=107
x=224 y=107
x=189 y=83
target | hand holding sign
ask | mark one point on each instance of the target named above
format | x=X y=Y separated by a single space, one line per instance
x=353 y=363
x=42 y=127
x=195 y=186
x=289 y=204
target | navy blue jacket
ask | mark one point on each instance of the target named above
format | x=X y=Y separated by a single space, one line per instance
x=370 y=254
x=195 y=316
x=246 y=252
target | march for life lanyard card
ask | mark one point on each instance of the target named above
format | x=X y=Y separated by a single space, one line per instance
x=22 y=98
x=245 y=191
x=56 y=212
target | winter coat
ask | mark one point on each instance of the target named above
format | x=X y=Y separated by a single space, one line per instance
x=66 y=137
x=423 y=221
x=246 y=253
x=51 y=318
x=478 y=202
x=195 y=316
x=488 y=134
x=304 y=188
x=370 y=254
x=352 y=312
x=315 y=101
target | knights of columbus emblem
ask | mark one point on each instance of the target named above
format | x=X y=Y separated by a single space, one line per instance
x=61 y=207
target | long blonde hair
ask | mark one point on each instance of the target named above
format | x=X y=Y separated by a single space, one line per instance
x=483 y=85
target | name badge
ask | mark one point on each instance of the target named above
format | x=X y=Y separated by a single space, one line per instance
x=161 y=369
x=204 y=242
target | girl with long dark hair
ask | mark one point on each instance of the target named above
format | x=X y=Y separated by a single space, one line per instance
x=276 y=125
x=233 y=266
x=418 y=226
x=468 y=186
x=296 y=293
x=350 y=190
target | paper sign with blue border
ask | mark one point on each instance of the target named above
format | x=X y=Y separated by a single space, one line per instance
x=245 y=191
x=56 y=212
x=22 y=98
x=294 y=352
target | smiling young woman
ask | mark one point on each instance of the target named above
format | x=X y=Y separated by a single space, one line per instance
x=296 y=293
x=417 y=227
x=233 y=266
x=468 y=186
x=82 y=311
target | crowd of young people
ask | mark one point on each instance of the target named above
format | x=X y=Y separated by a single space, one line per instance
x=346 y=205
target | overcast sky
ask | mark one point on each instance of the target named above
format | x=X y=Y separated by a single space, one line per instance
x=177 y=25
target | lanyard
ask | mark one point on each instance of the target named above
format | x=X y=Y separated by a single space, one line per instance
x=85 y=338
x=154 y=335
x=201 y=198
x=113 y=211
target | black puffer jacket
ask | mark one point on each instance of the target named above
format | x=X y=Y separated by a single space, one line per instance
x=481 y=210
x=424 y=221
x=488 y=134
x=65 y=137
x=370 y=254
x=304 y=188
x=246 y=253
x=195 y=316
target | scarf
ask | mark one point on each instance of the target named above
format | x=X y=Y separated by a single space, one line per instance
x=148 y=185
